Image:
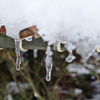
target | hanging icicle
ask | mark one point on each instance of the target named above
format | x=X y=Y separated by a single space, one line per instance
x=49 y=63
x=70 y=49
x=17 y=50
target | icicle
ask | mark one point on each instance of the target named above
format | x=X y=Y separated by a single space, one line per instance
x=55 y=45
x=18 y=61
x=70 y=57
x=49 y=63
x=35 y=53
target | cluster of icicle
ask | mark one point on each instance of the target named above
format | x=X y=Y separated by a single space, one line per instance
x=49 y=62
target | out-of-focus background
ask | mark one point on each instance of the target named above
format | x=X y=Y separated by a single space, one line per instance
x=70 y=81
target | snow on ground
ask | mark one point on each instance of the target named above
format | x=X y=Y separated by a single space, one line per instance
x=12 y=87
x=97 y=85
x=77 y=68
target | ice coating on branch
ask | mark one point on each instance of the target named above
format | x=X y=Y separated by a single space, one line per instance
x=17 y=49
x=49 y=63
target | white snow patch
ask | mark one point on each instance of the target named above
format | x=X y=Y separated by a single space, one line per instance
x=8 y=97
x=77 y=68
x=12 y=87
x=98 y=71
x=78 y=91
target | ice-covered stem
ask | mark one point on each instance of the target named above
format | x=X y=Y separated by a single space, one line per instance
x=49 y=63
x=17 y=50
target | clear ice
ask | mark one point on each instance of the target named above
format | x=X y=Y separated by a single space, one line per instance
x=70 y=58
x=70 y=48
x=17 y=50
x=55 y=45
x=49 y=63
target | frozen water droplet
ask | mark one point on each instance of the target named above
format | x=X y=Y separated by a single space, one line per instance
x=70 y=58
x=48 y=76
x=17 y=49
x=70 y=48
x=49 y=63
x=35 y=94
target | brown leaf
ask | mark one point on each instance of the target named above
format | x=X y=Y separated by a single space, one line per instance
x=30 y=31
x=2 y=29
